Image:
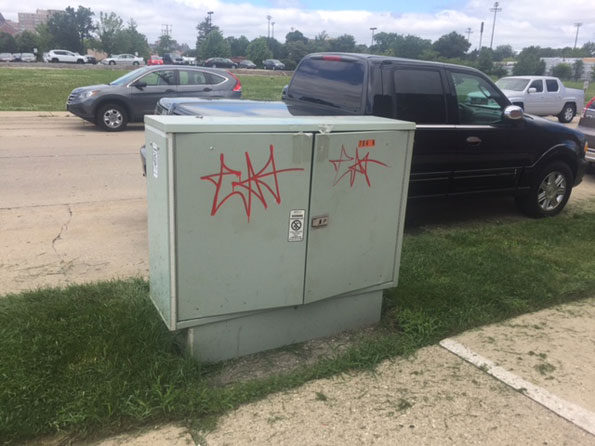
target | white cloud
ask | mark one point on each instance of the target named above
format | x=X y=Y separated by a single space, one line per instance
x=524 y=23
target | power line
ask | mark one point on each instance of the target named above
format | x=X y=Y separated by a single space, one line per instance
x=166 y=30
x=469 y=31
x=495 y=10
x=373 y=29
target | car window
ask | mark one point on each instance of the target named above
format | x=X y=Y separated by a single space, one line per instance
x=214 y=79
x=192 y=77
x=162 y=77
x=419 y=96
x=552 y=85
x=538 y=85
x=478 y=102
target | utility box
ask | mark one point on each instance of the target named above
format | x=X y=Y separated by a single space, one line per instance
x=269 y=231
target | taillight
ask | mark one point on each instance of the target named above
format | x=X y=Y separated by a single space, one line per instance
x=334 y=58
x=238 y=85
x=588 y=106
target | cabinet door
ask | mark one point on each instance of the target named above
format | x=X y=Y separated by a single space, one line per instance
x=358 y=182
x=236 y=200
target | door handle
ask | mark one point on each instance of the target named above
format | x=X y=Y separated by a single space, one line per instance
x=208 y=89
x=170 y=91
x=473 y=140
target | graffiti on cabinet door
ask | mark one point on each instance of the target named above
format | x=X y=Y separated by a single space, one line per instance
x=353 y=166
x=251 y=188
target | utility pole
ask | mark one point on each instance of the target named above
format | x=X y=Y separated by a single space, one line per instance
x=273 y=30
x=469 y=31
x=373 y=29
x=166 y=30
x=495 y=10
x=578 y=25
x=480 y=35
x=269 y=27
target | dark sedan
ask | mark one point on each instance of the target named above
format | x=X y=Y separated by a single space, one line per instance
x=587 y=126
x=247 y=64
x=219 y=62
x=130 y=97
x=273 y=64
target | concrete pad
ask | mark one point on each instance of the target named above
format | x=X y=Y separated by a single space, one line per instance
x=433 y=398
x=553 y=349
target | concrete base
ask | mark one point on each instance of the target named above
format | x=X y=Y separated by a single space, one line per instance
x=256 y=332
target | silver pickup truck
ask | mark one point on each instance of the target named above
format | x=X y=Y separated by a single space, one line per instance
x=543 y=96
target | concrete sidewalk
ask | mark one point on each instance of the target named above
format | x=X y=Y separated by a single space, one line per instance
x=434 y=397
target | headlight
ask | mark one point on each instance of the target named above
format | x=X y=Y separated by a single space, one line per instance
x=88 y=94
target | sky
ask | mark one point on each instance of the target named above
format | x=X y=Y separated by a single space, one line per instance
x=520 y=23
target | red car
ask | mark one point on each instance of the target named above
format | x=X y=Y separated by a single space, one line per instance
x=155 y=60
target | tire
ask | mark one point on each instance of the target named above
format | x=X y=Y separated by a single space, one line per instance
x=567 y=113
x=111 y=62
x=111 y=117
x=134 y=63
x=80 y=61
x=550 y=191
x=54 y=60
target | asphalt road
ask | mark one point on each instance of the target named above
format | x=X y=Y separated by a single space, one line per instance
x=73 y=202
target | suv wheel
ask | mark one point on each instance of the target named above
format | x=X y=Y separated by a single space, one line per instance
x=134 y=63
x=111 y=117
x=567 y=113
x=550 y=192
x=111 y=62
x=54 y=60
x=80 y=61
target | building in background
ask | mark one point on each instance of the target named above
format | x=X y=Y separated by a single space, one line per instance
x=8 y=26
x=28 y=21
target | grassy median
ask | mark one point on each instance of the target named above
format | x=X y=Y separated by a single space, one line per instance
x=96 y=359
x=39 y=89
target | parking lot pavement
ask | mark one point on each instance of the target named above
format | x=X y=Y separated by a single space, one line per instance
x=72 y=207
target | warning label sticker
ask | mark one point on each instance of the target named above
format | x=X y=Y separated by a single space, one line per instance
x=155 y=160
x=296 y=225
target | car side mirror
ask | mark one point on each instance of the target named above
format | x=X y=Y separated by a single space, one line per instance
x=532 y=90
x=140 y=84
x=513 y=112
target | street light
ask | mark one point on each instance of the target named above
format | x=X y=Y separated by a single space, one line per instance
x=578 y=25
x=269 y=27
x=273 y=30
x=495 y=10
x=210 y=13
x=373 y=29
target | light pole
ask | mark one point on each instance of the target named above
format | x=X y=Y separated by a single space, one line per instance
x=210 y=14
x=273 y=30
x=578 y=25
x=480 y=35
x=373 y=29
x=495 y=10
x=269 y=27
x=469 y=31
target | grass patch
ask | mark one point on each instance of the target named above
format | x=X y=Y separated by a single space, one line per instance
x=39 y=89
x=97 y=358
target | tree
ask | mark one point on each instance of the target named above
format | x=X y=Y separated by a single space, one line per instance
x=589 y=49
x=529 y=63
x=344 y=43
x=258 y=50
x=70 y=28
x=204 y=28
x=296 y=50
x=26 y=41
x=409 y=46
x=136 y=42
x=8 y=44
x=214 y=46
x=503 y=52
x=295 y=36
x=165 y=44
x=238 y=45
x=562 y=71
x=84 y=24
x=451 y=45
x=109 y=29
x=485 y=61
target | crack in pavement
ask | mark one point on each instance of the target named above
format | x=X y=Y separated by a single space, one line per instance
x=62 y=230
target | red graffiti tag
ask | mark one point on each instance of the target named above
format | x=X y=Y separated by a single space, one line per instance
x=358 y=166
x=253 y=186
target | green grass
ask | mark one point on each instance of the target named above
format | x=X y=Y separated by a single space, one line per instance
x=590 y=91
x=37 y=89
x=96 y=359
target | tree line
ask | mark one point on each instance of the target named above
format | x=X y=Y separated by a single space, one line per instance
x=80 y=29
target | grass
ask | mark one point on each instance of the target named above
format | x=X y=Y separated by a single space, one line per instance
x=97 y=359
x=38 y=89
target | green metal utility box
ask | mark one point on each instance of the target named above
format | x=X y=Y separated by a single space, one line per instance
x=269 y=231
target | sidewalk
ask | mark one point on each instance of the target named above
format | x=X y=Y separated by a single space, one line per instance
x=434 y=397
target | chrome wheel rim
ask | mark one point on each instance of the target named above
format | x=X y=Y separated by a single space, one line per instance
x=551 y=191
x=113 y=118
x=568 y=113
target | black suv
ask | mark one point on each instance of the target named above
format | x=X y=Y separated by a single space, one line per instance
x=469 y=139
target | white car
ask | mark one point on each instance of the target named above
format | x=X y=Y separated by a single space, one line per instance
x=27 y=57
x=123 y=59
x=63 y=56
x=5 y=57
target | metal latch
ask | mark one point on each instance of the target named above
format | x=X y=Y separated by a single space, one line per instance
x=320 y=222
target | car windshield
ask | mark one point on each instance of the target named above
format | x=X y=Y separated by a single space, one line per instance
x=128 y=77
x=512 y=84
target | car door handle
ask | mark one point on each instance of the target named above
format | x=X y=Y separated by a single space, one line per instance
x=473 y=140
x=208 y=89
x=170 y=91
